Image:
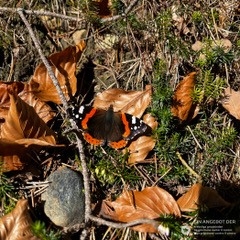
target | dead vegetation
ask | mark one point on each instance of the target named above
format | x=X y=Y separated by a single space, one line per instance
x=186 y=52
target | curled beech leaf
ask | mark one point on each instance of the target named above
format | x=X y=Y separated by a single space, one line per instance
x=17 y=224
x=183 y=106
x=131 y=102
x=140 y=148
x=149 y=203
x=199 y=195
x=23 y=122
x=16 y=87
x=64 y=67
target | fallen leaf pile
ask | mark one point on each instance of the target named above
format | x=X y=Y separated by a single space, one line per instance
x=149 y=204
x=24 y=116
x=25 y=112
x=22 y=127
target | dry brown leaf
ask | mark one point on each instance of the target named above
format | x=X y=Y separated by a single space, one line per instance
x=16 y=87
x=131 y=102
x=11 y=162
x=133 y=205
x=11 y=154
x=231 y=102
x=64 y=67
x=22 y=90
x=43 y=110
x=150 y=121
x=35 y=143
x=140 y=148
x=183 y=106
x=23 y=122
x=199 y=195
x=17 y=224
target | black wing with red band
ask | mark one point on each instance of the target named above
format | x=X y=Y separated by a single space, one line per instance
x=106 y=127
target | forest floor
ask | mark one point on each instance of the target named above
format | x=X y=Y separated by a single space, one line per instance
x=130 y=45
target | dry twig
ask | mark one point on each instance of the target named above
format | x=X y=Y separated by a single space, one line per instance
x=44 y=59
x=41 y=13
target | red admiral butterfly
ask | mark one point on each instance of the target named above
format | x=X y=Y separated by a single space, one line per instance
x=106 y=127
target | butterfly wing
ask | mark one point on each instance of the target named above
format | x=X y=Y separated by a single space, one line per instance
x=103 y=127
x=135 y=128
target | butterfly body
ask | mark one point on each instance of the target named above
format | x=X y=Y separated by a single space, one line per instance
x=106 y=127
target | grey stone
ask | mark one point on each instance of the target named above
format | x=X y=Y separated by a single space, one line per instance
x=64 y=198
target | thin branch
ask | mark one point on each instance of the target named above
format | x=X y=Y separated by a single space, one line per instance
x=184 y=163
x=124 y=225
x=65 y=104
x=44 y=59
x=118 y=225
x=116 y=17
x=197 y=142
x=85 y=180
x=41 y=13
x=65 y=17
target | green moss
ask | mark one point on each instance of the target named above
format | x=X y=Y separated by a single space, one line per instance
x=164 y=22
x=167 y=36
x=197 y=17
x=238 y=43
x=39 y=229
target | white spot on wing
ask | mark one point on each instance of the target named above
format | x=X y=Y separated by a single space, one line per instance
x=134 y=120
x=81 y=109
